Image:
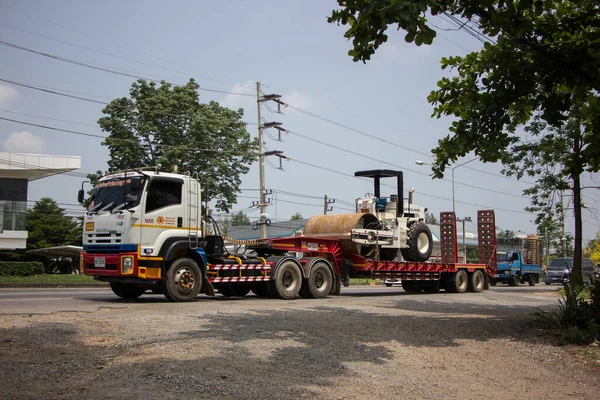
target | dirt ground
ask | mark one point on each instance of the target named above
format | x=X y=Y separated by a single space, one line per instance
x=405 y=346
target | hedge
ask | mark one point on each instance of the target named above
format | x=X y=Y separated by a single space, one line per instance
x=25 y=268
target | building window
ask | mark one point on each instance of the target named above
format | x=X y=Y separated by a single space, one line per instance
x=14 y=216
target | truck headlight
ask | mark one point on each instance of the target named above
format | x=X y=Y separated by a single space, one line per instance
x=127 y=265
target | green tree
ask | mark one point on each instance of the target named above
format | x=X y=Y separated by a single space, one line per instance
x=296 y=217
x=506 y=233
x=430 y=219
x=48 y=226
x=239 y=218
x=167 y=125
x=539 y=70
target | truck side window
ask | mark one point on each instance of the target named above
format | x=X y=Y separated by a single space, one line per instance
x=163 y=193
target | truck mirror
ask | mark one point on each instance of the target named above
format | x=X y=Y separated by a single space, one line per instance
x=80 y=195
x=135 y=185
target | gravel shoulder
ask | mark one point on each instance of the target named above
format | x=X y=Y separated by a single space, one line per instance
x=348 y=347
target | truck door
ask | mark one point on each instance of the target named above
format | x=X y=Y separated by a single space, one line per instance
x=163 y=214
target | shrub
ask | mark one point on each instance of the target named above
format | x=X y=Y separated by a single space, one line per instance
x=577 y=316
x=15 y=268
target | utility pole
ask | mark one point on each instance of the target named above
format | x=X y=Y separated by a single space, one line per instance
x=464 y=236
x=326 y=204
x=563 y=239
x=260 y=99
x=261 y=165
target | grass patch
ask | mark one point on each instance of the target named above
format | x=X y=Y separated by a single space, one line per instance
x=57 y=279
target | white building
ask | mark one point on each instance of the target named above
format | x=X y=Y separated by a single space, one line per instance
x=16 y=170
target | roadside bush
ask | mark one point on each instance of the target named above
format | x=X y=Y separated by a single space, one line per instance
x=578 y=317
x=15 y=268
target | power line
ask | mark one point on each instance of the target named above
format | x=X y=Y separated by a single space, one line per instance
x=129 y=49
x=104 y=68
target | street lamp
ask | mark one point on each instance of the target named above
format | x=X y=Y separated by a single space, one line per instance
x=419 y=162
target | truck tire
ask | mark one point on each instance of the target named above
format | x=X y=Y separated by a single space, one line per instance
x=410 y=286
x=493 y=282
x=476 y=281
x=533 y=279
x=457 y=282
x=319 y=282
x=287 y=280
x=336 y=288
x=419 y=242
x=184 y=280
x=514 y=280
x=548 y=283
x=126 y=291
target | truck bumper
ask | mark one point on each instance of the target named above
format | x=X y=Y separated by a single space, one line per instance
x=121 y=265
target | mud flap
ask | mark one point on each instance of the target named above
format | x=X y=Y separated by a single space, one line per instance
x=207 y=288
x=486 y=282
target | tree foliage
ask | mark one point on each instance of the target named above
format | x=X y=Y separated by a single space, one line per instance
x=506 y=233
x=540 y=70
x=296 y=217
x=239 y=218
x=430 y=219
x=167 y=125
x=49 y=226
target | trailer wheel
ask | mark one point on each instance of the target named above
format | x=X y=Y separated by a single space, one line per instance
x=287 y=282
x=420 y=243
x=126 y=291
x=184 y=280
x=476 y=281
x=410 y=286
x=319 y=282
x=457 y=282
x=533 y=280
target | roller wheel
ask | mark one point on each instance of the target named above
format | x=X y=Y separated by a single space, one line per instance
x=457 y=282
x=420 y=243
x=476 y=281
x=287 y=281
x=126 y=291
x=184 y=280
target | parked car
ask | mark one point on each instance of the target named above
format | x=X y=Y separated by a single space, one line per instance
x=559 y=270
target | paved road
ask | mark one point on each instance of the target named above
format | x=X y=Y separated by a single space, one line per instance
x=49 y=300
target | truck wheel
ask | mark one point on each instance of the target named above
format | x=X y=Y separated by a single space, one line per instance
x=410 y=286
x=476 y=281
x=126 y=291
x=184 y=280
x=319 y=283
x=457 y=282
x=514 y=281
x=419 y=242
x=493 y=282
x=548 y=283
x=336 y=288
x=533 y=279
x=287 y=281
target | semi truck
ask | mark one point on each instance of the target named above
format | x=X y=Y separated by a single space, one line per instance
x=519 y=261
x=144 y=230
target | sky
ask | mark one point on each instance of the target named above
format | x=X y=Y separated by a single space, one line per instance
x=381 y=116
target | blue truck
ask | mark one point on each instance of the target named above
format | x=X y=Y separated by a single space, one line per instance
x=519 y=261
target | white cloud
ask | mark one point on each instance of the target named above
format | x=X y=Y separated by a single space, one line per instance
x=8 y=96
x=24 y=142
x=235 y=101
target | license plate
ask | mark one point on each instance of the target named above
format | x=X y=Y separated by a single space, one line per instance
x=99 y=262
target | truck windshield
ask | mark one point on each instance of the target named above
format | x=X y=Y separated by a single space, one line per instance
x=561 y=263
x=115 y=194
x=502 y=257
